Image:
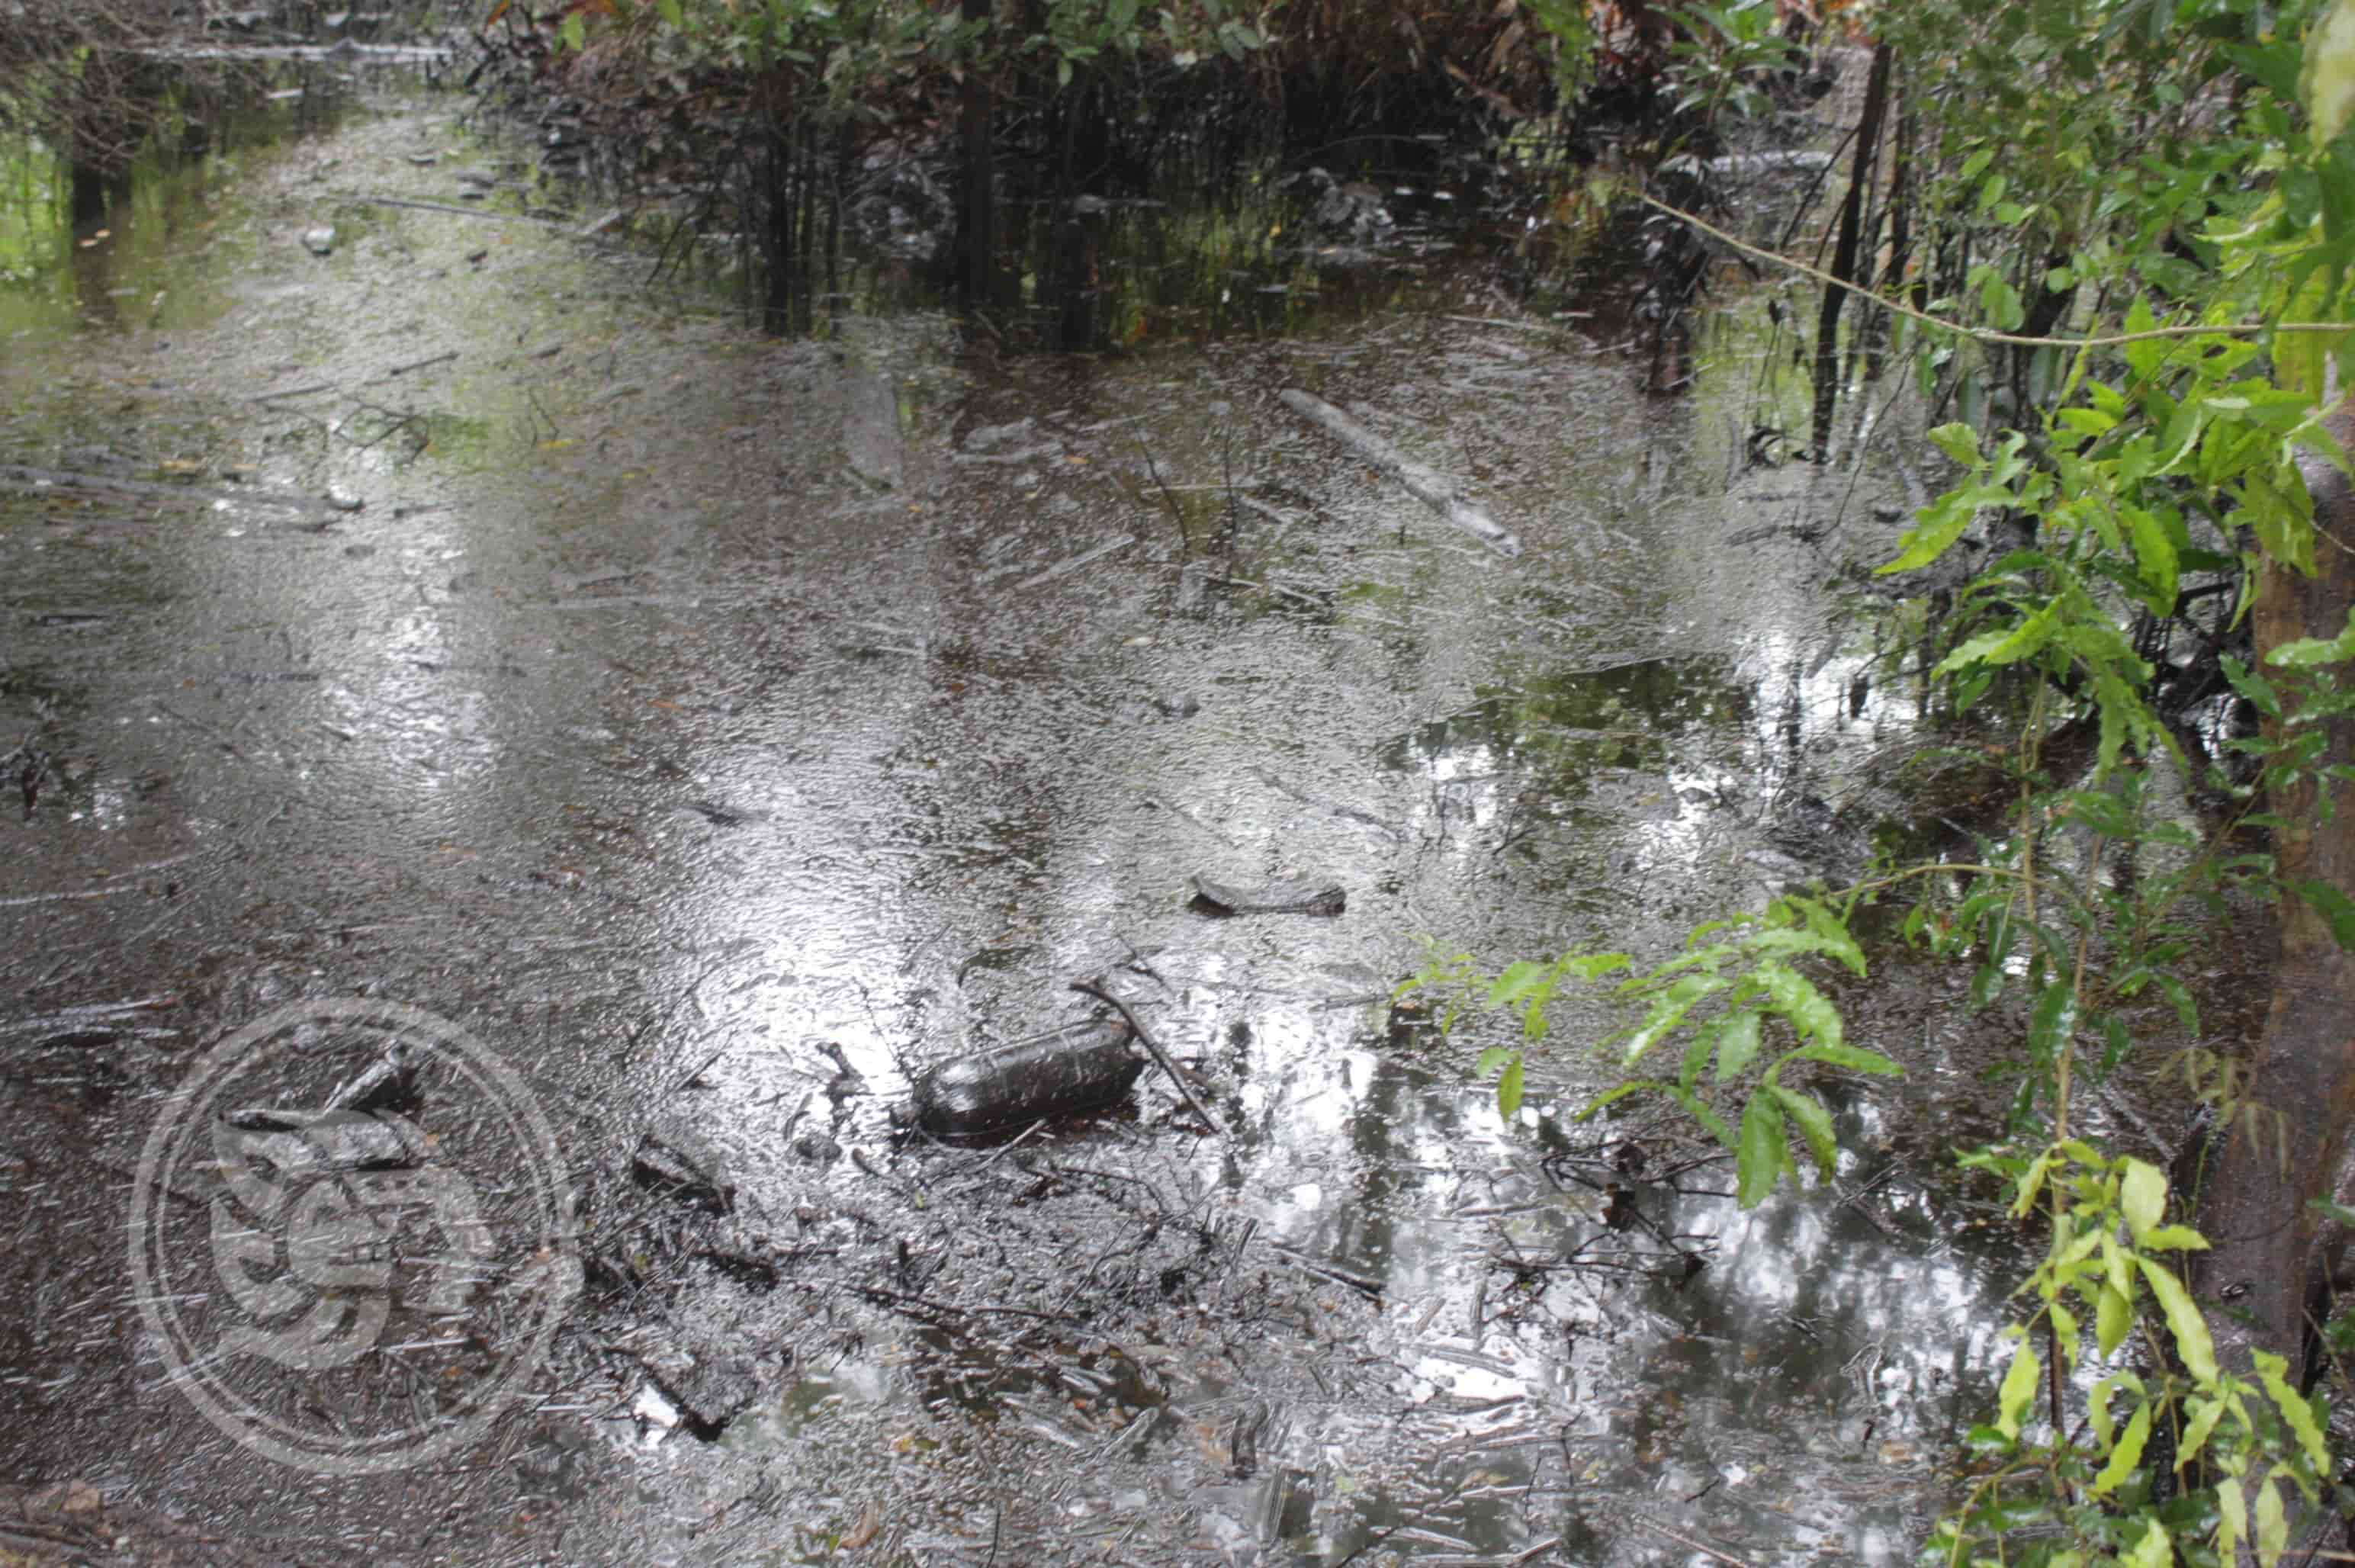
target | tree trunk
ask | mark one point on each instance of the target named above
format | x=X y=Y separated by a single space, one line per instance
x=1844 y=255
x=2255 y=1209
x=977 y=241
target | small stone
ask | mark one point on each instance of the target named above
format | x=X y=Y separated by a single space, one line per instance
x=342 y=500
x=320 y=241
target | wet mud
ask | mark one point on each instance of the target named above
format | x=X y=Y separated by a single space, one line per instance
x=728 y=733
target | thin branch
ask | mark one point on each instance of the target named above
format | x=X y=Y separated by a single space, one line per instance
x=1159 y=1056
x=1981 y=334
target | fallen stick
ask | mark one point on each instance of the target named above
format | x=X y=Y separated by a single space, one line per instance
x=440 y=358
x=1426 y=484
x=294 y=392
x=1160 y=1057
x=492 y=213
x=18 y=476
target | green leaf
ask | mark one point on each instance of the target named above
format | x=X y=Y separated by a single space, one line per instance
x=2143 y=358
x=2294 y=1408
x=2001 y=302
x=2281 y=511
x=1737 y=1043
x=2142 y=1196
x=1761 y=1155
x=1814 y=1126
x=2018 y=1389
x=1698 y=1052
x=1854 y=1058
x=2333 y=906
x=1938 y=525
x=2254 y=687
x=2127 y=1454
x=672 y=13
x=1667 y=1010
x=2104 y=813
x=2153 y=1551
x=1490 y=1060
x=2205 y=1414
x=1698 y=1110
x=2113 y=1321
x=2273 y=1523
x=2192 y=1344
x=1517 y=981
x=1794 y=997
x=2233 y=1523
x=1959 y=442
x=2308 y=651
x=1508 y=1089
x=2027 y=638
x=2155 y=561
x=2031 y=1182
x=2053 y=1024
x=573 y=31
x=2173 y=1239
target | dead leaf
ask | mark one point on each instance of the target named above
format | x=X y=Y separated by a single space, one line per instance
x=864 y=1531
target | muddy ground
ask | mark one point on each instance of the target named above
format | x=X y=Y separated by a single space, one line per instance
x=719 y=731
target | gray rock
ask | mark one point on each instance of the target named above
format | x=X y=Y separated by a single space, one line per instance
x=320 y=241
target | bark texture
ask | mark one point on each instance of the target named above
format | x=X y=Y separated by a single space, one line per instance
x=2265 y=1239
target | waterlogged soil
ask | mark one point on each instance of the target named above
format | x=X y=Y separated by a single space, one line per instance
x=718 y=732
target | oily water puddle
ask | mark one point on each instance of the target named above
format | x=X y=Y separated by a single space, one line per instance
x=718 y=730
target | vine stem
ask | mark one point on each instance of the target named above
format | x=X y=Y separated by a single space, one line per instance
x=1980 y=334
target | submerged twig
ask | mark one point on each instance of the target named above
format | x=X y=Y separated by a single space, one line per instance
x=1688 y=1542
x=1160 y=1057
x=1185 y=536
